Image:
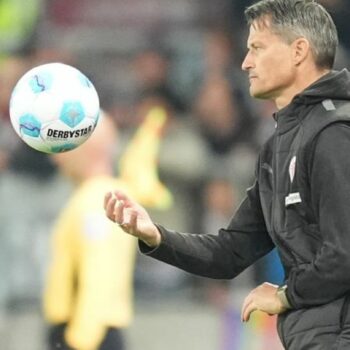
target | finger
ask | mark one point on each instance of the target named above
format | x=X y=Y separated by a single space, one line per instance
x=244 y=306
x=110 y=208
x=122 y=197
x=246 y=302
x=246 y=312
x=133 y=222
x=107 y=197
x=118 y=212
x=127 y=221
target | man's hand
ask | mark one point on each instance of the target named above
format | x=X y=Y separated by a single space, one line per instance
x=263 y=298
x=131 y=217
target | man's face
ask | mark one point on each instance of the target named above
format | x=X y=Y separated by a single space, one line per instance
x=269 y=63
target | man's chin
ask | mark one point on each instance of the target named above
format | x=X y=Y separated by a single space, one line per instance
x=256 y=93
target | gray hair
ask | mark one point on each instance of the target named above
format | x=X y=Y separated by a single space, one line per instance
x=292 y=19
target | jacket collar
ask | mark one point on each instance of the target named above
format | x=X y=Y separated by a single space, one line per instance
x=334 y=85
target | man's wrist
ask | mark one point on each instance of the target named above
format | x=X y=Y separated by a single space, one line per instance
x=282 y=296
x=155 y=241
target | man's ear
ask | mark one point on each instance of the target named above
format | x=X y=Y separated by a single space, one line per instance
x=301 y=50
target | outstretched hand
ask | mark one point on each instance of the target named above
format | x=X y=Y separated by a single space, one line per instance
x=131 y=217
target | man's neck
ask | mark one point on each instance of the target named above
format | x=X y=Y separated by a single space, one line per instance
x=299 y=85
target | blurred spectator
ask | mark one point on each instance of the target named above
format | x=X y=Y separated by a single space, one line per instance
x=223 y=119
x=18 y=25
x=226 y=126
x=216 y=54
x=88 y=294
x=151 y=68
x=222 y=55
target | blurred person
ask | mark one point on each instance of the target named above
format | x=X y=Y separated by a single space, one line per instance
x=89 y=289
x=88 y=292
x=224 y=122
x=299 y=201
x=151 y=68
x=228 y=129
x=220 y=53
x=91 y=167
x=215 y=56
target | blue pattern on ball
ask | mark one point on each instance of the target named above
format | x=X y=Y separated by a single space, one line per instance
x=63 y=148
x=72 y=113
x=41 y=82
x=29 y=125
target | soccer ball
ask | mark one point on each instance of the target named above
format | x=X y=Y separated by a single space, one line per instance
x=54 y=108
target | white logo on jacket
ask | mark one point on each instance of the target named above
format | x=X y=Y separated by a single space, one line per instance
x=292 y=165
x=292 y=198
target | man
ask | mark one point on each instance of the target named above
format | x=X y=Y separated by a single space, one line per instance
x=300 y=199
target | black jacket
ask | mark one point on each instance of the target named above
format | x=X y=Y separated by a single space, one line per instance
x=299 y=203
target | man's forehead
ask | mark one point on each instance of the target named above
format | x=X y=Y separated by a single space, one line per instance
x=260 y=31
x=261 y=24
x=256 y=32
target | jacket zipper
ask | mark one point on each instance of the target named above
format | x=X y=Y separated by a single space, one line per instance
x=275 y=198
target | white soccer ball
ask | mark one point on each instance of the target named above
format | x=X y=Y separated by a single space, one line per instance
x=54 y=108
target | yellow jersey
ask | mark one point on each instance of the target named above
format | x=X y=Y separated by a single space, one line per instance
x=90 y=277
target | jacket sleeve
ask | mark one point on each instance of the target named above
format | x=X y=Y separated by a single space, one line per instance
x=327 y=277
x=223 y=255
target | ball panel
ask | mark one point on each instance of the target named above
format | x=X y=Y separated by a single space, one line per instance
x=63 y=148
x=47 y=106
x=91 y=102
x=72 y=113
x=29 y=125
x=41 y=81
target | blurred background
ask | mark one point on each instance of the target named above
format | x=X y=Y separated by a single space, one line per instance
x=185 y=56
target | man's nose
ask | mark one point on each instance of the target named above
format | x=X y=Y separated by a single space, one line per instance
x=247 y=62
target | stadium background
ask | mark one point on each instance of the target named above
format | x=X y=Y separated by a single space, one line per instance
x=185 y=56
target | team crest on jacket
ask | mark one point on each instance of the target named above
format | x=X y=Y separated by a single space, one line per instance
x=292 y=168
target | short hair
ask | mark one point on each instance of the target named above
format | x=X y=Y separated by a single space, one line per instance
x=292 y=19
